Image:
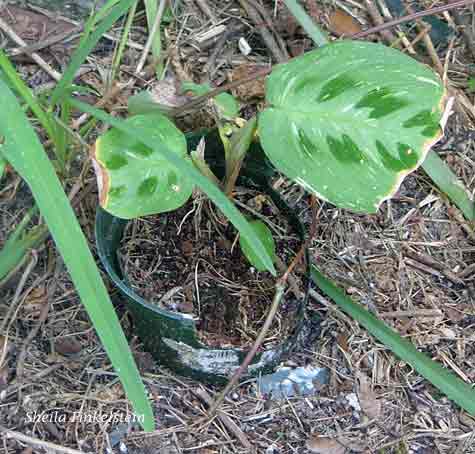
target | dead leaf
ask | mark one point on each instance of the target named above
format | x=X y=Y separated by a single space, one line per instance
x=370 y=405
x=341 y=23
x=251 y=90
x=342 y=341
x=34 y=302
x=67 y=346
x=325 y=445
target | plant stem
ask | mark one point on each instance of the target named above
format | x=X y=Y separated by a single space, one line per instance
x=279 y=293
x=319 y=38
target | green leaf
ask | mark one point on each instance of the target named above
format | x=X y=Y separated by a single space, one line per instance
x=447 y=182
x=187 y=169
x=198 y=159
x=228 y=107
x=265 y=235
x=16 y=83
x=86 y=45
x=350 y=120
x=19 y=243
x=135 y=180
x=448 y=383
x=23 y=150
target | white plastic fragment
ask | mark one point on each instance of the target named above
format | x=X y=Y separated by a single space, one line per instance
x=244 y=46
x=288 y=382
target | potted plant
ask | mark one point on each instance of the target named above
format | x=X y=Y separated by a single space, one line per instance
x=347 y=122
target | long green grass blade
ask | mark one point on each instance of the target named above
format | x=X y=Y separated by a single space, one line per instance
x=99 y=15
x=151 y=10
x=23 y=150
x=25 y=93
x=119 y=51
x=306 y=22
x=456 y=389
x=441 y=174
x=189 y=170
x=86 y=45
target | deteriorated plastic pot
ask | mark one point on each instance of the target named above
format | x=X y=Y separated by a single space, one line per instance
x=172 y=337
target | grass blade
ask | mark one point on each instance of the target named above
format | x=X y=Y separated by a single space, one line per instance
x=25 y=93
x=85 y=47
x=189 y=170
x=441 y=174
x=119 y=50
x=451 y=385
x=151 y=10
x=23 y=150
x=306 y=22
x=16 y=249
x=19 y=243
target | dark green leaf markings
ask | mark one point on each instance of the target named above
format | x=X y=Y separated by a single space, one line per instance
x=148 y=187
x=133 y=179
x=350 y=120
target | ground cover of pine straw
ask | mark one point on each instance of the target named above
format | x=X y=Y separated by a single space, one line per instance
x=412 y=264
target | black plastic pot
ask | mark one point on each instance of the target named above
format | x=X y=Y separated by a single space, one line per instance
x=172 y=337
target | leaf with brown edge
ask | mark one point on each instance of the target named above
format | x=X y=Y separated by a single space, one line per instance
x=349 y=121
x=135 y=180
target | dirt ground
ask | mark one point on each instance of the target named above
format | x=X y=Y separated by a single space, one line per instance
x=412 y=265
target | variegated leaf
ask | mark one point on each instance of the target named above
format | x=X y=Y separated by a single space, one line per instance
x=350 y=120
x=133 y=179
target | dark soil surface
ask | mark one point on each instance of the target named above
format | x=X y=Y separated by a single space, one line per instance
x=190 y=261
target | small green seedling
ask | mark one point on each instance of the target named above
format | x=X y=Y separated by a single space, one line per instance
x=348 y=122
